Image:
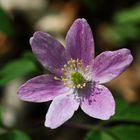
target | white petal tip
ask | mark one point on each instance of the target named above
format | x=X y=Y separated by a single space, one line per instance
x=48 y=125
x=31 y=39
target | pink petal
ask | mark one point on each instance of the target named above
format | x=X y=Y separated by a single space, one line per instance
x=99 y=104
x=79 y=41
x=61 y=109
x=108 y=65
x=41 y=89
x=49 y=51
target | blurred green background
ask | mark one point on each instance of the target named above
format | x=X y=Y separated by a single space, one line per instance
x=115 y=24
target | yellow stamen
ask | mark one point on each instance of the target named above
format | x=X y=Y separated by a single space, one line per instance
x=56 y=78
x=74 y=66
x=65 y=66
x=84 y=84
x=87 y=69
x=78 y=86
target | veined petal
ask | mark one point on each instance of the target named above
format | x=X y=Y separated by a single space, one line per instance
x=79 y=41
x=109 y=64
x=61 y=109
x=49 y=52
x=41 y=89
x=99 y=104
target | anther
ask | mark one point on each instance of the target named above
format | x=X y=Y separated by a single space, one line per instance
x=84 y=84
x=70 y=85
x=73 y=61
x=65 y=66
x=87 y=69
x=56 y=78
x=78 y=86
x=69 y=62
x=65 y=80
x=62 y=69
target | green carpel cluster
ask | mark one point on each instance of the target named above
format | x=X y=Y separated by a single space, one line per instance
x=77 y=78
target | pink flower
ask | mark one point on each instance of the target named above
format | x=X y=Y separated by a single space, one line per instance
x=76 y=77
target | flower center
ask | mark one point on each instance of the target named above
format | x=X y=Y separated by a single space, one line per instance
x=77 y=78
x=74 y=75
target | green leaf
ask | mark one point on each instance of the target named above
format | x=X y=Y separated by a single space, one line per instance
x=16 y=69
x=93 y=134
x=29 y=55
x=125 y=26
x=126 y=132
x=14 y=135
x=5 y=25
x=106 y=136
x=126 y=112
x=122 y=132
x=98 y=134
x=119 y=34
x=131 y=15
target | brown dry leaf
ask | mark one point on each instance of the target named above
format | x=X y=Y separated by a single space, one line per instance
x=59 y=22
x=5 y=46
x=25 y=5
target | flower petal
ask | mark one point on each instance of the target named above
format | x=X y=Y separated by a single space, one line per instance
x=49 y=51
x=41 y=89
x=108 y=65
x=79 y=41
x=61 y=109
x=99 y=104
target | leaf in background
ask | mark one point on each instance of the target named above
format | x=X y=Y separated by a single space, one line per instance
x=29 y=55
x=125 y=27
x=131 y=15
x=126 y=112
x=5 y=25
x=14 y=135
x=93 y=134
x=126 y=132
x=106 y=136
x=98 y=134
x=16 y=69
x=120 y=34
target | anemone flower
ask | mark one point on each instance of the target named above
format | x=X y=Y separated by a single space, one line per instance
x=76 y=76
